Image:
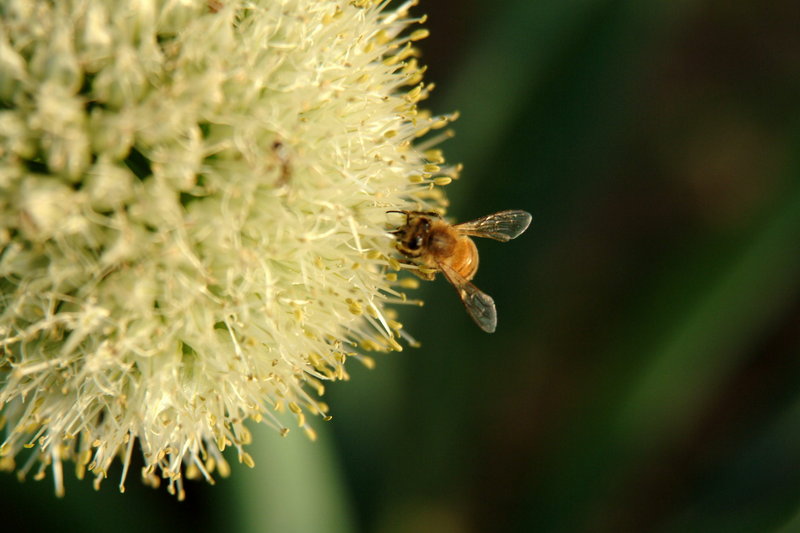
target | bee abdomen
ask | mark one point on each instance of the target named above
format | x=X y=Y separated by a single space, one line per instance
x=464 y=258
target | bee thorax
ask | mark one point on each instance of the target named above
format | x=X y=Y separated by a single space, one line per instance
x=441 y=243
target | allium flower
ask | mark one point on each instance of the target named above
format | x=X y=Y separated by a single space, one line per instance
x=193 y=220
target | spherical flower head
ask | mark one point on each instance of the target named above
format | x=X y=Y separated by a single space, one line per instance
x=194 y=220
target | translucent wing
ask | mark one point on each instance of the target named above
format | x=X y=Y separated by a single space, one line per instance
x=480 y=305
x=502 y=226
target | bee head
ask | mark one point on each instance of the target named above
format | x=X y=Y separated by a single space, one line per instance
x=412 y=235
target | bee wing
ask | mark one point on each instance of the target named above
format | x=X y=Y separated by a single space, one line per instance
x=480 y=305
x=502 y=226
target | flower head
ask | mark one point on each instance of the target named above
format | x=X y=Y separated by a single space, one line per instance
x=193 y=220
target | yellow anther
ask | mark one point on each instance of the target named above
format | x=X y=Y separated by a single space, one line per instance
x=406 y=51
x=84 y=457
x=409 y=283
x=315 y=360
x=369 y=345
x=247 y=460
x=310 y=433
x=354 y=307
x=223 y=468
x=416 y=77
x=394 y=345
x=414 y=94
x=382 y=37
x=435 y=156
x=330 y=17
x=7 y=464
x=417 y=35
x=191 y=472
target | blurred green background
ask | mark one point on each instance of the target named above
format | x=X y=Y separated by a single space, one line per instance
x=645 y=374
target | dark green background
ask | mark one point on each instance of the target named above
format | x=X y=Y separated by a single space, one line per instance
x=645 y=374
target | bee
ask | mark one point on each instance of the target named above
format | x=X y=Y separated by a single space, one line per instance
x=430 y=242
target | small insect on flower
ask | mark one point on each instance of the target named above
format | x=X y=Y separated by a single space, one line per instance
x=430 y=242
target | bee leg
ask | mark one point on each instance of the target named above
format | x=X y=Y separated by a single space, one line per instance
x=421 y=272
x=406 y=213
x=427 y=275
x=423 y=213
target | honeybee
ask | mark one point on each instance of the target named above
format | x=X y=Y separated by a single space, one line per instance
x=430 y=242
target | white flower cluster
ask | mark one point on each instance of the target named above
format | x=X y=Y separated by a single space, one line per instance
x=193 y=226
